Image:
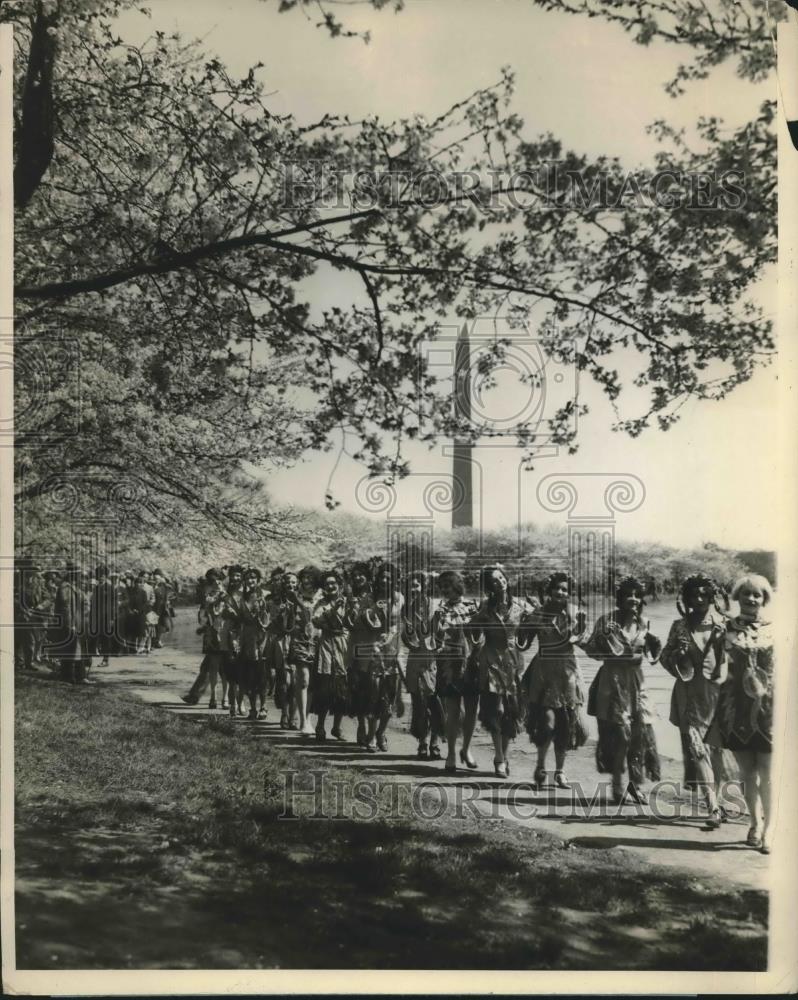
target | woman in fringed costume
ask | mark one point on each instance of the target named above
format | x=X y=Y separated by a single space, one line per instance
x=556 y=688
x=285 y=615
x=329 y=685
x=500 y=620
x=211 y=599
x=279 y=608
x=274 y=646
x=427 y=719
x=744 y=717
x=618 y=696
x=363 y=635
x=230 y=639
x=386 y=618
x=695 y=655
x=457 y=681
x=253 y=618
x=302 y=643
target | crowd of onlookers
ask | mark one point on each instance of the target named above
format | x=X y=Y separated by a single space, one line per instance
x=63 y=618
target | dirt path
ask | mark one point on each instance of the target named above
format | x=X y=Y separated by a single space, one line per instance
x=673 y=838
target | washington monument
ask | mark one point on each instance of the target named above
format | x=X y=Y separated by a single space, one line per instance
x=462 y=513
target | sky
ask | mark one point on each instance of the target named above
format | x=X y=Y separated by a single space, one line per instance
x=586 y=82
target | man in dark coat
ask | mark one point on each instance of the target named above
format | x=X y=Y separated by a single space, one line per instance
x=103 y=623
x=69 y=634
x=30 y=602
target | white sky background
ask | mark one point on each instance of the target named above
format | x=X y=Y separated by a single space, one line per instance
x=590 y=85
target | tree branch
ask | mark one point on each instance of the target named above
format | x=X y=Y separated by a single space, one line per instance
x=36 y=143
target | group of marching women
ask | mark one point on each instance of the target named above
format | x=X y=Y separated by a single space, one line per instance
x=328 y=644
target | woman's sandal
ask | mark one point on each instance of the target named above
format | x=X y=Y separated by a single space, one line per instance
x=435 y=752
x=635 y=794
x=500 y=767
x=560 y=780
x=468 y=760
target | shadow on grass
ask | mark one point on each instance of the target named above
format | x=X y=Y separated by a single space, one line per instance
x=144 y=842
x=110 y=899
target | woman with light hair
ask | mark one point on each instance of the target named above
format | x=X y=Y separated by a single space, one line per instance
x=744 y=718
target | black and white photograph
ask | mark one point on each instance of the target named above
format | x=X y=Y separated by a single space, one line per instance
x=398 y=495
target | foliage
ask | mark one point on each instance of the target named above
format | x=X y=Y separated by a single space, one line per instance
x=339 y=538
x=716 y=30
x=173 y=229
x=759 y=561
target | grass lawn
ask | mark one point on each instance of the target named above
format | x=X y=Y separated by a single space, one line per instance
x=144 y=840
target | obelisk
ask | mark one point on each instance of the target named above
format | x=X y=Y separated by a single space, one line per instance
x=463 y=512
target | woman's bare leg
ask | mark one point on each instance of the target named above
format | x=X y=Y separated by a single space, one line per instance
x=716 y=763
x=746 y=761
x=763 y=770
x=452 y=726
x=213 y=673
x=469 y=720
x=498 y=751
x=303 y=682
x=619 y=765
